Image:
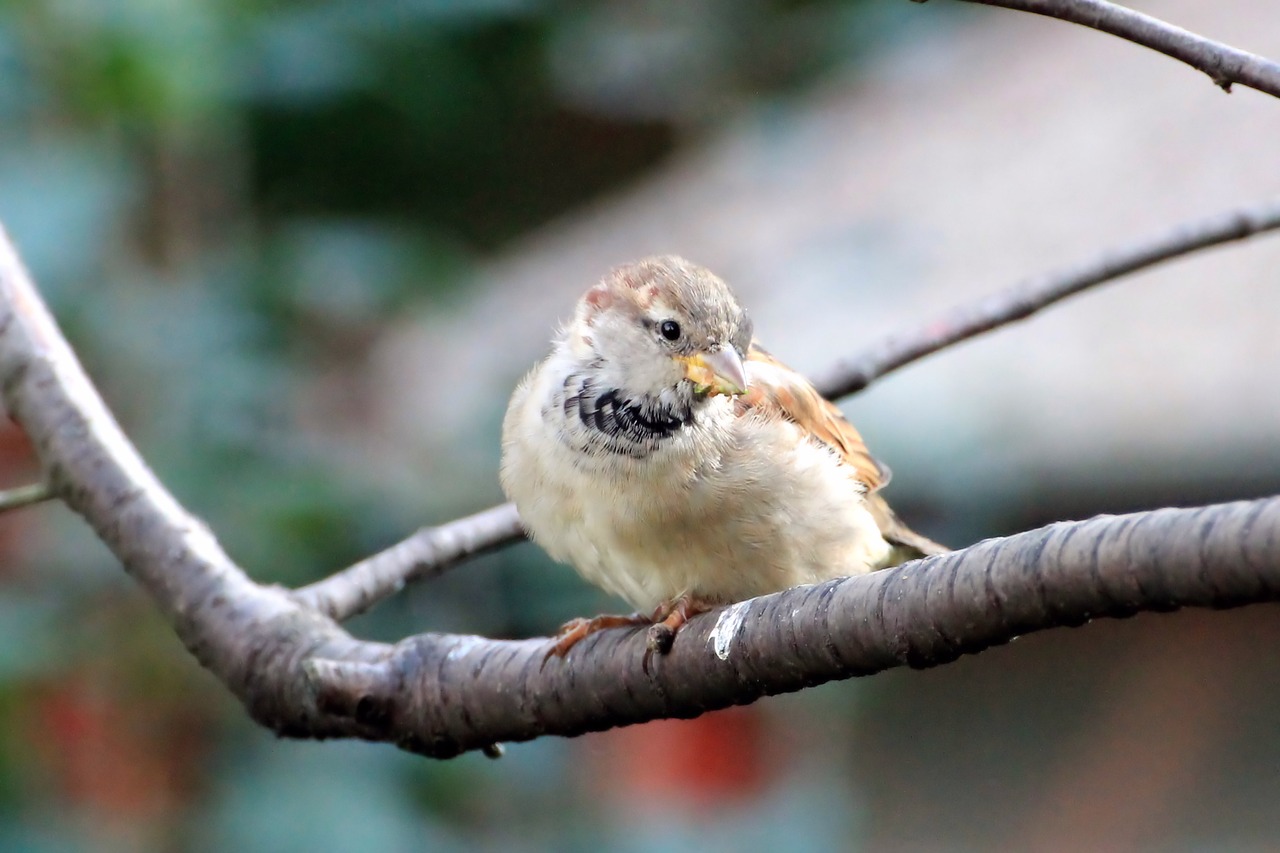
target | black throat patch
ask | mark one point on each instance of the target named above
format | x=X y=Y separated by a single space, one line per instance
x=632 y=426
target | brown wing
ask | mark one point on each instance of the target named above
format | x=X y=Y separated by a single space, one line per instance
x=778 y=389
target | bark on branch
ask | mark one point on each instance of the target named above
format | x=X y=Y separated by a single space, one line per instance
x=300 y=674
x=1224 y=64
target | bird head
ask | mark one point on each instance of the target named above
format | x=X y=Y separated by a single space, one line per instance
x=664 y=324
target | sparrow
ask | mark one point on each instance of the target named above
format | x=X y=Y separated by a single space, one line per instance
x=673 y=462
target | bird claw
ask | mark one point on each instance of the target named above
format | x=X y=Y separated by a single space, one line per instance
x=667 y=622
x=568 y=636
x=663 y=627
x=576 y=630
x=660 y=638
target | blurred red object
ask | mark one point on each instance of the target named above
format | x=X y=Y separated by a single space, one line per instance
x=701 y=764
x=18 y=466
x=126 y=766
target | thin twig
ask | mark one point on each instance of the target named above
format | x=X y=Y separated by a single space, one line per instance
x=1036 y=294
x=1224 y=64
x=20 y=496
x=428 y=552
x=432 y=550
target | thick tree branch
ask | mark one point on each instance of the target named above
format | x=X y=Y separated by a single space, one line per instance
x=300 y=674
x=432 y=550
x=251 y=637
x=441 y=695
x=1224 y=64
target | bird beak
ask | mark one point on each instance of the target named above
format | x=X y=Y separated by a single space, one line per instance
x=719 y=371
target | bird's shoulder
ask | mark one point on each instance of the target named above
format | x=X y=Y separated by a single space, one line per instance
x=777 y=391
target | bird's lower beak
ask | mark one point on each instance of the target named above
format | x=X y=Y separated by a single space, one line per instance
x=719 y=371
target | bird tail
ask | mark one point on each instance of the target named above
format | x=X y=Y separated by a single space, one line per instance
x=906 y=543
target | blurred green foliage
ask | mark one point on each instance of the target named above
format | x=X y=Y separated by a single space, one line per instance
x=223 y=201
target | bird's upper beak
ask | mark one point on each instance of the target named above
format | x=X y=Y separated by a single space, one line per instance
x=719 y=371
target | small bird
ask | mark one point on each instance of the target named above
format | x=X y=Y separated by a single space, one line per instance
x=673 y=462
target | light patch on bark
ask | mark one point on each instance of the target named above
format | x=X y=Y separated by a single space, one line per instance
x=728 y=625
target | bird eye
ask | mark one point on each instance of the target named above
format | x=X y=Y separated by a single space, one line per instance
x=670 y=330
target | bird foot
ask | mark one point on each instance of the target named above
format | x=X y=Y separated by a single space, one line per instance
x=661 y=637
x=668 y=619
x=576 y=630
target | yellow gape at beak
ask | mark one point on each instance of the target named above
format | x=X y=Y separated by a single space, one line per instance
x=719 y=371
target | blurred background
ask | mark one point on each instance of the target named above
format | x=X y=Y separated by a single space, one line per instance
x=307 y=248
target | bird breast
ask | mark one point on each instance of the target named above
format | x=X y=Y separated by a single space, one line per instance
x=724 y=508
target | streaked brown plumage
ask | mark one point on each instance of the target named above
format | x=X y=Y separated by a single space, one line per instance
x=776 y=386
